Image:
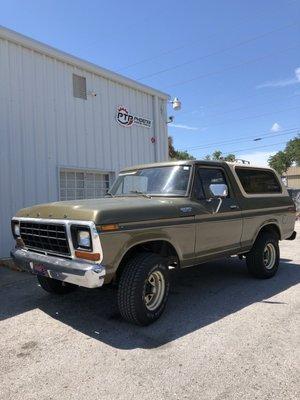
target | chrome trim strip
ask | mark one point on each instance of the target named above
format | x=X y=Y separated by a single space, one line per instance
x=96 y=244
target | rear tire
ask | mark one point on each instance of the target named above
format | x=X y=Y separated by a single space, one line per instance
x=263 y=259
x=55 y=286
x=143 y=289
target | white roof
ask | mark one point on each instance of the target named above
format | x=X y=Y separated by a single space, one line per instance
x=42 y=48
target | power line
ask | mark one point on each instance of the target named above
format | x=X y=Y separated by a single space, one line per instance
x=221 y=103
x=243 y=107
x=239 y=44
x=259 y=135
x=241 y=139
x=174 y=49
x=256 y=147
x=253 y=60
x=250 y=117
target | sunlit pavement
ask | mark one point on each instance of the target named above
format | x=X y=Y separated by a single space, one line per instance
x=224 y=335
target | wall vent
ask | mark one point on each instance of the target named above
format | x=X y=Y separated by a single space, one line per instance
x=79 y=87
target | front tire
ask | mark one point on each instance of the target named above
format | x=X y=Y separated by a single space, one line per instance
x=55 y=286
x=263 y=259
x=143 y=289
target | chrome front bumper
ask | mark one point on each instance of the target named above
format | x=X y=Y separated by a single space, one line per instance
x=67 y=270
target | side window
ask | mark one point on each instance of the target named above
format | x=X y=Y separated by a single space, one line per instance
x=204 y=178
x=198 y=187
x=258 y=181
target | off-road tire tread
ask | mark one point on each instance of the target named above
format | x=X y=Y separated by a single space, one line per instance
x=129 y=281
x=255 y=268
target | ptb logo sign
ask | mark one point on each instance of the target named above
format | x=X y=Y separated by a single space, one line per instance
x=123 y=117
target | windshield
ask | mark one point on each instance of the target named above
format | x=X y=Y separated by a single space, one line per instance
x=165 y=181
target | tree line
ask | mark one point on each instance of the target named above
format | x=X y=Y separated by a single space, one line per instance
x=280 y=161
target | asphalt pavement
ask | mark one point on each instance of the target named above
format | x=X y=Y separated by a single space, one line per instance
x=224 y=335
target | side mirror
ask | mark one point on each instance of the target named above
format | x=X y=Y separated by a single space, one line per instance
x=219 y=190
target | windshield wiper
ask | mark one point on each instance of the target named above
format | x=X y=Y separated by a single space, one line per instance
x=140 y=193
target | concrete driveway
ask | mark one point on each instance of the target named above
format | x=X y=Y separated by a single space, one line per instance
x=224 y=335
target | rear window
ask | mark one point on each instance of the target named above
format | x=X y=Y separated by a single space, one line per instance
x=258 y=181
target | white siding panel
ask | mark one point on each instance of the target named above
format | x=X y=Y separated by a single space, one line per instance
x=43 y=127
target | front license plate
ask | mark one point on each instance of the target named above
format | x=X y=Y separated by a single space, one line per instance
x=39 y=269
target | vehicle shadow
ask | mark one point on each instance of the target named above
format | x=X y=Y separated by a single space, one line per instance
x=199 y=296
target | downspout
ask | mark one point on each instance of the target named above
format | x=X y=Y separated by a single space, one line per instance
x=156 y=127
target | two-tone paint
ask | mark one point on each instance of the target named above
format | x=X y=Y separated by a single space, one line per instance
x=191 y=227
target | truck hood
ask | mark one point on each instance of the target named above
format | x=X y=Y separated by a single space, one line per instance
x=109 y=210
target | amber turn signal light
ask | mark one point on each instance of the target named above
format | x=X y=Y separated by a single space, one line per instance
x=108 y=227
x=87 y=256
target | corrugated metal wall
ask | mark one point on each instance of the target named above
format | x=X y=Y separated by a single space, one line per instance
x=43 y=127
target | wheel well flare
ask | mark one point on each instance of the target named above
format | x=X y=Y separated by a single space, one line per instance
x=159 y=247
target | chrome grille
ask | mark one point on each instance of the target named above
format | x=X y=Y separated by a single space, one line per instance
x=50 y=238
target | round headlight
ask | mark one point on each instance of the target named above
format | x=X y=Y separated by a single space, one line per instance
x=83 y=239
x=16 y=227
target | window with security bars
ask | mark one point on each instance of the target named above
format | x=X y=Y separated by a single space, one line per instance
x=79 y=87
x=76 y=185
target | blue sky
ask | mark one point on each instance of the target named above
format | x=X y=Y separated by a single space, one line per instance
x=235 y=65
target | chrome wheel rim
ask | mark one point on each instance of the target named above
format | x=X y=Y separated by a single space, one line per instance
x=269 y=256
x=154 y=290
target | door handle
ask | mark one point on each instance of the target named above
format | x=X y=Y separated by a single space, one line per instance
x=234 y=207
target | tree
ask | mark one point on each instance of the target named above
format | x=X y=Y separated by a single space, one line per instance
x=293 y=150
x=217 y=155
x=176 y=154
x=280 y=162
x=230 y=157
x=283 y=159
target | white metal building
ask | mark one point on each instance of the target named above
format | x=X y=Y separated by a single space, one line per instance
x=68 y=126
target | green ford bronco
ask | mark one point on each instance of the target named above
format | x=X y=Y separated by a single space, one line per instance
x=156 y=217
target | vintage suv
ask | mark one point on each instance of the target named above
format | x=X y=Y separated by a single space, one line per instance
x=172 y=214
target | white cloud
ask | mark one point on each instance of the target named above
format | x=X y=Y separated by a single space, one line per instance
x=274 y=84
x=187 y=127
x=259 y=158
x=275 y=127
x=282 y=82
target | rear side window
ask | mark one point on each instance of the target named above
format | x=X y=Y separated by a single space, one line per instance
x=258 y=181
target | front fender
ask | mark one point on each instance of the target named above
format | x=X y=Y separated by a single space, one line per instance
x=116 y=244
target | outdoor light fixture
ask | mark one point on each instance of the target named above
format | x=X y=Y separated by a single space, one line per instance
x=92 y=93
x=176 y=104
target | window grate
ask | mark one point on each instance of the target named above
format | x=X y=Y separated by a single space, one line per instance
x=78 y=185
x=79 y=87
